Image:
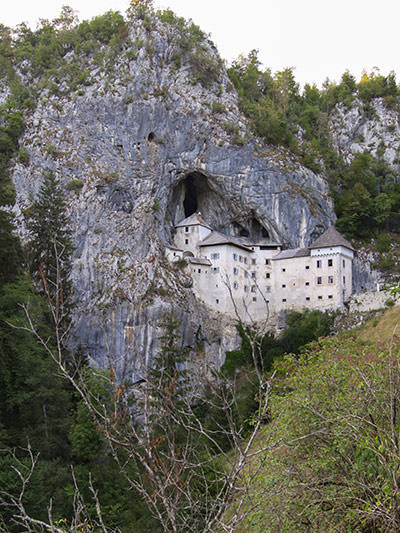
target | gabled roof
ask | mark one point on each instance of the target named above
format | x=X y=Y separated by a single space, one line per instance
x=193 y=220
x=199 y=261
x=293 y=252
x=216 y=238
x=331 y=238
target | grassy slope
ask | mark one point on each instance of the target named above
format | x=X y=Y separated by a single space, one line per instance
x=340 y=477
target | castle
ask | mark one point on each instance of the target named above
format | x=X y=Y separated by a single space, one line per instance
x=248 y=280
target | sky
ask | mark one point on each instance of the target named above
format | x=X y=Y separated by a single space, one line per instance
x=318 y=38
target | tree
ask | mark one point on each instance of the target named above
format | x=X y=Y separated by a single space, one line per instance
x=50 y=246
x=180 y=440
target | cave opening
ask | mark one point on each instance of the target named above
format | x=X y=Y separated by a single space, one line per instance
x=196 y=193
x=251 y=228
x=190 y=203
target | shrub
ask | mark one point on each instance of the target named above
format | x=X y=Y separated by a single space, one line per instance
x=75 y=185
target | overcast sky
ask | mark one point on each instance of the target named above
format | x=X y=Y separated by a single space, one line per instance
x=319 y=38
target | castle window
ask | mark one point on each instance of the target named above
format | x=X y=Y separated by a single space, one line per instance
x=330 y=262
x=254 y=299
x=283 y=299
x=344 y=263
x=283 y=269
x=307 y=283
x=307 y=267
x=214 y=270
x=267 y=275
x=267 y=262
x=217 y=301
x=319 y=297
x=330 y=280
x=246 y=274
x=235 y=257
x=187 y=229
x=253 y=261
x=344 y=280
x=253 y=275
x=330 y=297
x=215 y=256
x=319 y=263
x=235 y=285
x=240 y=259
x=246 y=288
x=253 y=288
x=319 y=280
x=245 y=260
x=307 y=298
x=199 y=271
x=268 y=289
x=186 y=241
x=283 y=286
x=235 y=271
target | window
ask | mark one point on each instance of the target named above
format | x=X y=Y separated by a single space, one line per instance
x=215 y=256
x=240 y=259
x=307 y=283
x=319 y=263
x=235 y=271
x=330 y=280
x=344 y=263
x=245 y=260
x=235 y=285
x=330 y=296
x=267 y=262
x=187 y=229
x=246 y=274
x=254 y=299
x=253 y=261
x=307 y=267
x=253 y=275
x=186 y=241
x=319 y=280
x=283 y=269
x=199 y=271
x=344 y=280
x=283 y=299
x=330 y=262
x=319 y=297
x=253 y=288
x=214 y=270
x=307 y=298
x=235 y=257
x=246 y=288
x=268 y=289
x=267 y=275
x=217 y=301
x=283 y=286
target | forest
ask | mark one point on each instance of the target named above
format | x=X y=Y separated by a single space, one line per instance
x=294 y=433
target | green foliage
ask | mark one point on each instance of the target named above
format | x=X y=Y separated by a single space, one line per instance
x=335 y=408
x=50 y=247
x=302 y=329
x=75 y=185
x=217 y=107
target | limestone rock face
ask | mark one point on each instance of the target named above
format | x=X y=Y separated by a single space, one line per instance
x=137 y=149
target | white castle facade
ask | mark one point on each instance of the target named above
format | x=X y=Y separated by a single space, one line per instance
x=248 y=280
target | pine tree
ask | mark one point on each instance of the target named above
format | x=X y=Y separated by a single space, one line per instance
x=50 y=247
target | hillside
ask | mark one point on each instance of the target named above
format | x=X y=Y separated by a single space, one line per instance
x=334 y=419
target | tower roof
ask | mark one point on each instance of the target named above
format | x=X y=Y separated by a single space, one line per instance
x=331 y=237
x=193 y=220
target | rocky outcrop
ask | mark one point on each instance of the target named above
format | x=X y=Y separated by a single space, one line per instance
x=140 y=147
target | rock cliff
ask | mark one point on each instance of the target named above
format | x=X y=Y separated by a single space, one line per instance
x=144 y=142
